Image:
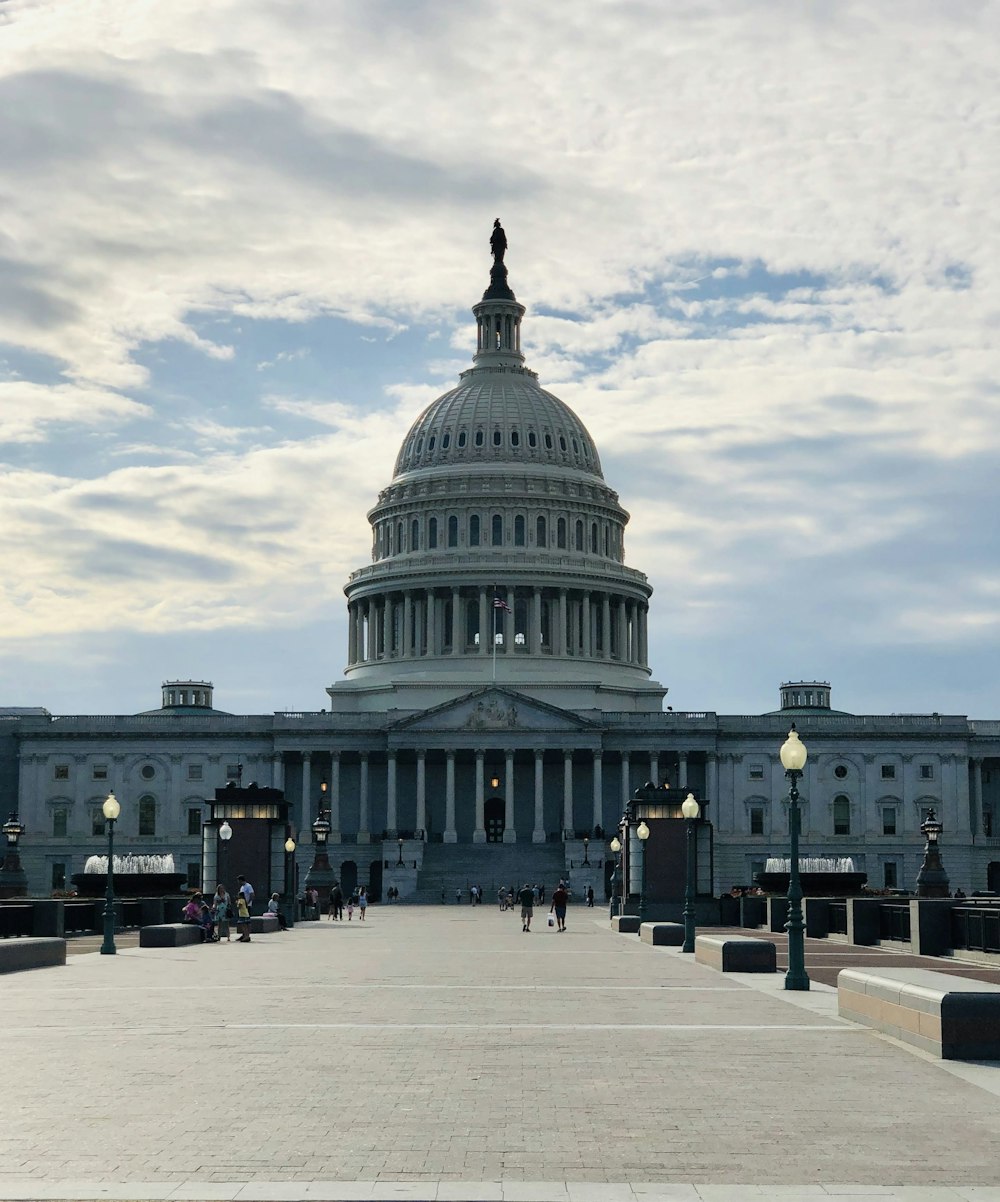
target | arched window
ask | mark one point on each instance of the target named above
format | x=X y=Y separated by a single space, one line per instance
x=399 y=538
x=540 y=531
x=497 y=438
x=548 y=442
x=480 y=438
x=562 y=444
x=432 y=534
x=841 y=815
x=147 y=815
x=496 y=531
x=519 y=531
x=431 y=442
x=462 y=438
x=579 y=535
x=414 y=535
x=576 y=447
x=474 y=530
x=452 y=531
x=593 y=538
x=607 y=541
x=515 y=438
x=561 y=534
x=532 y=439
x=420 y=445
x=445 y=441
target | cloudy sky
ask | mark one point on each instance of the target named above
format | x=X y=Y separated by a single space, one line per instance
x=758 y=243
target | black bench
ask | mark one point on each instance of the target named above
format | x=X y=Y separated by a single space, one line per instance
x=18 y=954
x=662 y=934
x=626 y=924
x=170 y=934
x=736 y=953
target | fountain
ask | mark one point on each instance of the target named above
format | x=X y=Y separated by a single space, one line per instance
x=135 y=876
x=821 y=876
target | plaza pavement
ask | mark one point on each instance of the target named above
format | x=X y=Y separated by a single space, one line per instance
x=439 y=1053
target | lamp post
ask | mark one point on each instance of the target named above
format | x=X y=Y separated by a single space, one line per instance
x=586 y=849
x=399 y=862
x=793 y=760
x=932 y=880
x=225 y=834
x=111 y=809
x=690 y=809
x=643 y=834
x=290 y=875
x=616 y=846
x=13 y=881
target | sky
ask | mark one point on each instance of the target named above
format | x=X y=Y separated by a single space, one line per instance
x=758 y=244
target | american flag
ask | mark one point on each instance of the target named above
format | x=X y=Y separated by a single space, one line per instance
x=499 y=603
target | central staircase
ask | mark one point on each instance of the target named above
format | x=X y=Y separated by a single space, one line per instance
x=451 y=866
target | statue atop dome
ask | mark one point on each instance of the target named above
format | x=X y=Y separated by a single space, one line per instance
x=498 y=241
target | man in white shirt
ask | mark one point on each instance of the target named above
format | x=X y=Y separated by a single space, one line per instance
x=247 y=890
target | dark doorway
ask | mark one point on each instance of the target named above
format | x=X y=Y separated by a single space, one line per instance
x=993 y=876
x=348 y=878
x=375 y=881
x=493 y=817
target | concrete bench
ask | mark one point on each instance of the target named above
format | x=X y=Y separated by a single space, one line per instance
x=19 y=954
x=955 y=1018
x=263 y=924
x=625 y=924
x=662 y=934
x=736 y=953
x=170 y=934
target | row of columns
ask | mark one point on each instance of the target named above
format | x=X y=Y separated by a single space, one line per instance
x=574 y=624
x=479 y=834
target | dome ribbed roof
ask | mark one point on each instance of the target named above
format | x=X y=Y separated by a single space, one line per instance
x=498 y=415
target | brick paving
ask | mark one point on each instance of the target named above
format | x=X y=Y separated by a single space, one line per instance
x=439 y=1053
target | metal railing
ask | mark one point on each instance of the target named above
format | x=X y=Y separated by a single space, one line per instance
x=975 y=928
x=894 y=922
x=838 y=918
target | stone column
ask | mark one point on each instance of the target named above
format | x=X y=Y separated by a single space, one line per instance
x=538 y=834
x=509 y=628
x=620 y=617
x=598 y=791
x=643 y=613
x=560 y=639
x=567 y=791
x=364 y=835
x=605 y=626
x=450 y=834
x=391 y=821
x=485 y=625
x=352 y=636
x=277 y=771
x=457 y=633
x=386 y=628
x=682 y=770
x=586 y=631
x=509 y=832
x=654 y=767
x=305 y=831
x=406 y=646
x=535 y=625
x=433 y=624
x=976 y=808
x=626 y=780
x=574 y=626
x=334 y=796
x=422 y=790
x=479 y=834
x=712 y=779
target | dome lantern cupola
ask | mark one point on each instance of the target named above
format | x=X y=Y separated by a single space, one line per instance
x=498 y=314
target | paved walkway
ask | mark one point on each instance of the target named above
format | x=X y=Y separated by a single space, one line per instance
x=439 y=1053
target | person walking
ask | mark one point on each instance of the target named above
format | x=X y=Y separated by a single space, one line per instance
x=362 y=904
x=336 y=903
x=590 y=896
x=527 y=899
x=559 y=899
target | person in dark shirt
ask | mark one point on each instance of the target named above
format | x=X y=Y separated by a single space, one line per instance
x=559 y=899
x=527 y=899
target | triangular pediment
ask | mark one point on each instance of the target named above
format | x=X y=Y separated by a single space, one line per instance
x=494 y=709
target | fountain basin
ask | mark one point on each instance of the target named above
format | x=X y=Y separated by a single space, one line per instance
x=129 y=884
x=814 y=884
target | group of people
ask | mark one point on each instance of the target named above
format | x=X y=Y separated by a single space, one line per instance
x=215 y=917
x=529 y=895
x=335 y=906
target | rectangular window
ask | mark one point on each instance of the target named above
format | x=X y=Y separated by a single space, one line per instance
x=926 y=771
x=100 y=772
x=194 y=874
x=234 y=771
x=756 y=821
x=756 y=771
x=889 y=820
x=841 y=816
x=60 y=823
x=194 y=771
x=60 y=772
x=194 y=820
x=890 y=879
x=58 y=876
x=97 y=826
x=147 y=816
x=888 y=771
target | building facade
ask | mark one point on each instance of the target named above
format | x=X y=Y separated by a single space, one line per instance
x=497 y=695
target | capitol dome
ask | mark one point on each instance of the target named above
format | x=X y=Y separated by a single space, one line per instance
x=498 y=549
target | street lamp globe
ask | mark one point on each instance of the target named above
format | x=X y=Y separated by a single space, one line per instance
x=643 y=831
x=111 y=807
x=793 y=752
x=616 y=845
x=689 y=807
x=289 y=845
x=225 y=831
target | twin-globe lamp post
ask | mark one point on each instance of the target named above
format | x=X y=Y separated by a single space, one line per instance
x=642 y=834
x=616 y=846
x=111 y=809
x=690 y=809
x=793 y=760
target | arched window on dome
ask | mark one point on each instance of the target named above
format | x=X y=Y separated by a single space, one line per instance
x=562 y=443
x=452 y=531
x=432 y=534
x=474 y=530
x=576 y=447
x=497 y=438
x=607 y=541
x=593 y=538
x=548 y=442
x=561 y=534
x=431 y=442
x=579 y=535
x=532 y=439
x=399 y=538
x=463 y=438
x=445 y=441
x=515 y=438
x=414 y=535
x=496 y=530
x=480 y=438
x=420 y=446
x=519 y=531
x=540 y=531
